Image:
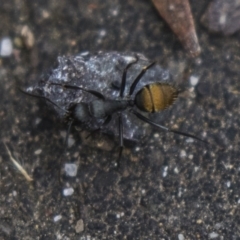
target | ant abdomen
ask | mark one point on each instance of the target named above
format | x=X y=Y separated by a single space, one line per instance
x=156 y=97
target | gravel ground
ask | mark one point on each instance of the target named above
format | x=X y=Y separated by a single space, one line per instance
x=167 y=186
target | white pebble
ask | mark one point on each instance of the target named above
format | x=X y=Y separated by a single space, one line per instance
x=218 y=226
x=228 y=183
x=194 y=80
x=70 y=169
x=181 y=237
x=137 y=149
x=156 y=135
x=115 y=12
x=57 y=218
x=143 y=191
x=165 y=171
x=213 y=235
x=183 y=154
x=176 y=170
x=6 y=47
x=68 y=191
x=102 y=33
x=14 y=193
x=71 y=141
x=37 y=152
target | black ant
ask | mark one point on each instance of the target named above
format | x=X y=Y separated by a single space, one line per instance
x=153 y=97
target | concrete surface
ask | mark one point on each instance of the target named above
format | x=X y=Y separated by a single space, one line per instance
x=168 y=186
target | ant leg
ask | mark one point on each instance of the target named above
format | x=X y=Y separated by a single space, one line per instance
x=137 y=79
x=140 y=116
x=124 y=76
x=120 y=128
x=95 y=93
x=107 y=120
x=67 y=135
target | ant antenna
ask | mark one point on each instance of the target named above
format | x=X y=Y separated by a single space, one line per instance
x=67 y=135
x=95 y=93
x=120 y=129
x=42 y=97
x=49 y=100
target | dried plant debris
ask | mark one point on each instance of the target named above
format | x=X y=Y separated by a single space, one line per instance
x=222 y=16
x=18 y=165
x=178 y=15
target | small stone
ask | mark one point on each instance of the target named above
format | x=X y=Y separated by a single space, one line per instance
x=79 y=226
x=183 y=154
x=71 y=141
x=70 y=169
x=213 y=235
x=165 y=171
x=228 y=184
x=180 y=236
x=68 y=191
x=28 y=37
x=194 y=80
x=6 y=47
x=222 y=17
x=57 y=218
x=37 y=152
